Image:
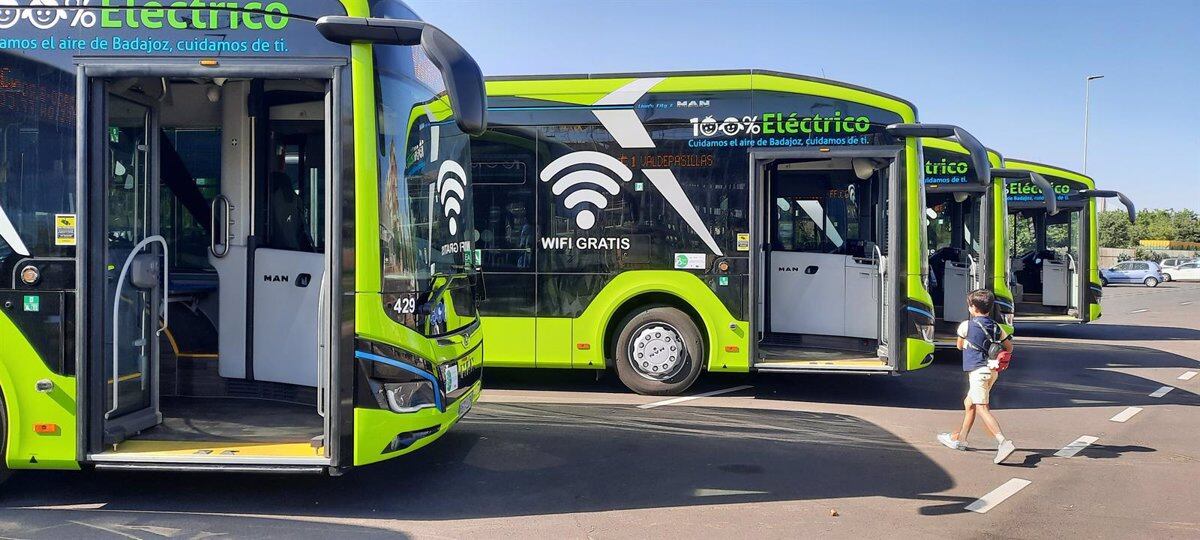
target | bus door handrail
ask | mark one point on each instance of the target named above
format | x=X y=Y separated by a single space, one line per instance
x=117 y=305
x=1051 y=199
x=322 y=350
x=882 y=292
x=225 y=230
x=1105 y=193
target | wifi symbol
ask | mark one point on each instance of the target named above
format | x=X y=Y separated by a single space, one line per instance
x=451 y=188
x=585 y=180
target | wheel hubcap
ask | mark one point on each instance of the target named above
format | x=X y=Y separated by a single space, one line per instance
x=657 y=352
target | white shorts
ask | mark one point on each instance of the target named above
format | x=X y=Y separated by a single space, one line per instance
x=981 y=381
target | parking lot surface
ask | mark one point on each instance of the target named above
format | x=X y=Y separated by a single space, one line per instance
x=1104 y=416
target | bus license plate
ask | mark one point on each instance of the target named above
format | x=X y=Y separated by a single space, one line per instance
x=451 y=378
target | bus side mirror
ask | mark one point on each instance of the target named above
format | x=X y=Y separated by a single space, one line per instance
x=460 y=73
x=1037 y=180
x=979 y=155
x=1105 y=193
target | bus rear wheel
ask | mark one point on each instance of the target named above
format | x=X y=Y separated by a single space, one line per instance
x=659 y=351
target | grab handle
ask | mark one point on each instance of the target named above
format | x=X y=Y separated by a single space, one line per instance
x=116 y=313
x=223 y=201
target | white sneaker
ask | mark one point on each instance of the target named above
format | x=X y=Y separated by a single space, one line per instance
x=948 y=440
x=1006 y=449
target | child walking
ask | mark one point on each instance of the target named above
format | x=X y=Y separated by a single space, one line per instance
x=975 y=337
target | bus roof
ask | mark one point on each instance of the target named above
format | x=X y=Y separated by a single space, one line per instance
x=587 y=88
x=1051 y=170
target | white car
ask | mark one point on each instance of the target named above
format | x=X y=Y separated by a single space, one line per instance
x=1186 y=272
x=1169 y=265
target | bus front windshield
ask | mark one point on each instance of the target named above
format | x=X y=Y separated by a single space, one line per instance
x=425 y=214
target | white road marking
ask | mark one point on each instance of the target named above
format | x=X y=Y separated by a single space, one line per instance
x=998 y=495
x=1126 y=414
x=1139 y=311
x=1185 y=303
x=1161 y=391
x=704 y=492
x=1187 y=375
x=673 y=401
x=83 y=506
x=1075 y=446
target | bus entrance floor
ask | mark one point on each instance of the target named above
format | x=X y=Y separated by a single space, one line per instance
x=235 y=419
x=1103 y=451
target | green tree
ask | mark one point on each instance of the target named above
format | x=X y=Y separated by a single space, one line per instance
x=1187 y=225
x=1154 y=224
x=1115 y=230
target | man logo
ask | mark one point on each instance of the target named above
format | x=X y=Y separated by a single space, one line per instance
x=580 y=182
x=451 y=192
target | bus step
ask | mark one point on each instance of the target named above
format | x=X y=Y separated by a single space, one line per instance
x=212 y=467
x=858 y=365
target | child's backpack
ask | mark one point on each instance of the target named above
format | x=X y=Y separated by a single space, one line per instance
x=993 y=349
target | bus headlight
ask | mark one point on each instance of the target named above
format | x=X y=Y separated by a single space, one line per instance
x=925 y=331
x=408 y=396
x=396 y=380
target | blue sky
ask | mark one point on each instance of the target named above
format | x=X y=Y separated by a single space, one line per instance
x=1010 y=72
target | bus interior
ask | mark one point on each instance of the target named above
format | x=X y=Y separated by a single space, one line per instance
x=822 y=295
x=956 y=231
x=1047 y=251
x=225 y=179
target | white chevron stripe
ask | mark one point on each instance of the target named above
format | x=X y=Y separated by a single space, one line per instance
x=625 y=127
x=665 y=182
x=9 y=234
x=631 y=92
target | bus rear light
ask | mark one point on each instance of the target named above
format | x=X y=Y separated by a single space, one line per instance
x=732 y=348
x=583 y=346
x=45 y=428
x=209 y=62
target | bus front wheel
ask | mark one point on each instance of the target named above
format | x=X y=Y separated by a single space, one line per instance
x=5 y=472
x=659 y=351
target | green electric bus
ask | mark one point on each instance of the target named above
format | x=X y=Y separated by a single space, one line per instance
x=1055 y=255
x=968 y=234
x=667 y=223
x=233 y=237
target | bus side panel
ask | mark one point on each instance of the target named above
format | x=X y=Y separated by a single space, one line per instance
x=516 y=346
x=917 y=353
x=553 y=337
x=1002 y=251
x=1093 y=261
x=25 y=406
x=590 y=326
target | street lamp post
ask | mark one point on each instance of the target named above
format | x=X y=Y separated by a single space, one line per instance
x=1087 y=94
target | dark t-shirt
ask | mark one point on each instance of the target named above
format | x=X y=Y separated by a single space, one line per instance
x=974 y=355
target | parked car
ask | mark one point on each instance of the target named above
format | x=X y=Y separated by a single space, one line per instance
x=1186 y=272
x=1169 y=265
x=1145 y=272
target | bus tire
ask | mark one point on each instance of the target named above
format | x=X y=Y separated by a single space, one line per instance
x=5 y=472
x=1151 y=282
x=659 y=351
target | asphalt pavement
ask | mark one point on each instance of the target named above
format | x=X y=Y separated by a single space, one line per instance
x=1107 y=435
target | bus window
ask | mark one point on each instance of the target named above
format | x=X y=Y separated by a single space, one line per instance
x=37 y=157
x=504 y=194
x=506 y=221
x=191 y=176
